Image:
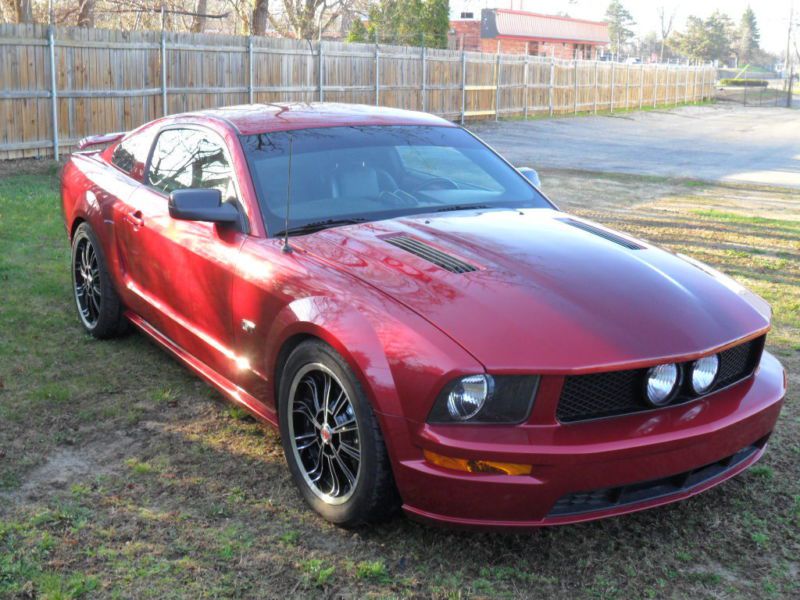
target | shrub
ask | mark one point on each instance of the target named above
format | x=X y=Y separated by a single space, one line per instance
x=743 y=82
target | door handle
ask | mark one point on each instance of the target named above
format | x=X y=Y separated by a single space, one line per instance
x=135 y=219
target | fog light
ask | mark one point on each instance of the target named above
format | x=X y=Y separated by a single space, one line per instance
x=662 y=382
x=468 y=396
x=704 y=372
x=476 y=466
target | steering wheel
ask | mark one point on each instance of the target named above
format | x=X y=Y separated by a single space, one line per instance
x=449 y=184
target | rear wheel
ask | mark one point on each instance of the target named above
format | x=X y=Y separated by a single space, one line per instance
x=332 y=440
x=99 y=307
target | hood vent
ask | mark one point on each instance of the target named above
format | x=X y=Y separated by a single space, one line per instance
x=619 y=240
x=431 y=254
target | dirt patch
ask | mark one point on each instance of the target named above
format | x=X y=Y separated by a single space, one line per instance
x=70 y=465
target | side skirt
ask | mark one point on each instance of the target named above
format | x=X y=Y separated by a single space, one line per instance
x=229 y=389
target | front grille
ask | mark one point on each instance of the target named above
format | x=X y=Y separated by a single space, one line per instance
x=602 y=499
x=431 y=254
x=622 y=392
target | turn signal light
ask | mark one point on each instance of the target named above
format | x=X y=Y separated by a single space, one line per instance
x=476 y=466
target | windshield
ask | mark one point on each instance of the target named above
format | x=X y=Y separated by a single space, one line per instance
x=352 y=174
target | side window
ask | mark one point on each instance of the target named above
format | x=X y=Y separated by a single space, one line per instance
x=131 y=153
x=188 y=158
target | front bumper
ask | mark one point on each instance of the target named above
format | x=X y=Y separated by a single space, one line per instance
x=623 y=464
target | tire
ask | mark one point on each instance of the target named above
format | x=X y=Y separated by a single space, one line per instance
x=99 y=307
x=367 y=494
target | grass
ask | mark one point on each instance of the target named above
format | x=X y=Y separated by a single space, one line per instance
x=123 y=476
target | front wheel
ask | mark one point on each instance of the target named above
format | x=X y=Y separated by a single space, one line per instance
x=332 y=440
x=99 y=307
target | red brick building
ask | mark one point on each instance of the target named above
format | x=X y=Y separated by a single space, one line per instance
x=517 y=32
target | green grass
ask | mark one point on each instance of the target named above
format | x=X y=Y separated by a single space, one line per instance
x=123 y=476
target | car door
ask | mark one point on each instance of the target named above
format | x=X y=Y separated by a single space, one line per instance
x=180 y=271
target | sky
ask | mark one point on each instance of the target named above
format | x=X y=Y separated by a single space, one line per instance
x=772 y=15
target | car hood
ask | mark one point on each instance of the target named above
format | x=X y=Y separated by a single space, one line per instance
x=549 y=291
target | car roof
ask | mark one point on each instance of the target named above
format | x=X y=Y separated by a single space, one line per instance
x=250 y=119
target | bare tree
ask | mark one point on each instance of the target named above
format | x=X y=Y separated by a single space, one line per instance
x=22 y=10
x=666 y=27
x=260 y=18
x=307 y=19
x=199 y=17
x=86 y=13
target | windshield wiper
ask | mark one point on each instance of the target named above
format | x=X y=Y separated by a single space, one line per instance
x=461 y=207
x=319 y=226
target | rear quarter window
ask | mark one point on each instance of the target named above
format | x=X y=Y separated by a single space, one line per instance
x=130 y=155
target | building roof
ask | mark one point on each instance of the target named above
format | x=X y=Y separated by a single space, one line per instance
x=497 y=22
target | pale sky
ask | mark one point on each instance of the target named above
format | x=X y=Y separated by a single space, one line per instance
x=772 y=15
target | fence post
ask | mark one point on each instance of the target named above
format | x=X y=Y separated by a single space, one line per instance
x=641 y=85
x=497 y=87
x=250 y=68
x=525 y=81
x=51 y=44
x=575 y=99
x=377 y=76
x=677 y=84
x=424 y=79
x=627 y=85
x=320 y=73
x=703 y=86
x=463 y=84
x=612 y=87
x=694 y=84
x=655 y=87
x=596 y=63
x=164 y=72
x=686 y=87
x=552 y=82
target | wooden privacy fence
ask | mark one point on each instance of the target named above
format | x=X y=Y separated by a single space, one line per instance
x=59 y=85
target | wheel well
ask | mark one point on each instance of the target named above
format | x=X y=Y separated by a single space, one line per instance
x=283 y=355
x=75 y=224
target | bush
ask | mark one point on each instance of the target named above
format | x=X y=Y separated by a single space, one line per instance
x=743 y=82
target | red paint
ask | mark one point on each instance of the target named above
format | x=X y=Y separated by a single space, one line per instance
x=547 y=298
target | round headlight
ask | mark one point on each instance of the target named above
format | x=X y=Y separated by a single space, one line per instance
x=468 y=396
x=662 y=380
x=704 y=372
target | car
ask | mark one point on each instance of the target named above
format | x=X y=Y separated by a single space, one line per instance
x=423 y=325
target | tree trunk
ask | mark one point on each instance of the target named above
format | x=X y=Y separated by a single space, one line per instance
x=199 y=19
x=258 y=25
x=86 y=14
x=23 y=10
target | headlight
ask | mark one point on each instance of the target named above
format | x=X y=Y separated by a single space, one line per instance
x=704 y=372
x=662 y=383
x=485 y=399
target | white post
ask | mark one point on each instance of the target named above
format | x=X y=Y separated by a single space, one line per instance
x=612 y=87
x=641 y=86
x=627 y=85
x=596 y=62
x=677 y=83
x=377 y=76
x=703 y=86
x=424 y=79
x=552 y=82
x=250 y=68
x=320 y=73
x=497 y=85
x=51 y=43
x=163 y=72
x=575 y=99
x=525 y=82
x=655 y=87
x=463 y=83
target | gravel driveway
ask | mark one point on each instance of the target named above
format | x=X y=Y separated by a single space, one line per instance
x=715 y=143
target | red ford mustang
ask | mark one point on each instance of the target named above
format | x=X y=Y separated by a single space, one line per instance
x=423 y=325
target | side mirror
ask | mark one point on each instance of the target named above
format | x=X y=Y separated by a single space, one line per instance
x=196 y=204
x=531 y=175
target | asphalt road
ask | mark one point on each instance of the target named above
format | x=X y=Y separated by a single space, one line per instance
x=715 y=143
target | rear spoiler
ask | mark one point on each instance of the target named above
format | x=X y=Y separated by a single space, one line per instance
x=91 y=142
